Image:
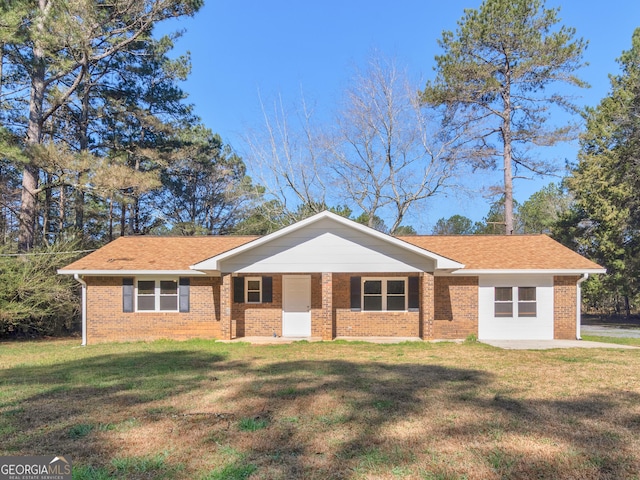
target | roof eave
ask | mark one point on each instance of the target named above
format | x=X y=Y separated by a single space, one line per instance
x=530 y=271
x=119 y=273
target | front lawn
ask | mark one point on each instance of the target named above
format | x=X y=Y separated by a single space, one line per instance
x=206 y=410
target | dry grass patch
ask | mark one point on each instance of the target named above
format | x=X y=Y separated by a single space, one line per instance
x=206 y=410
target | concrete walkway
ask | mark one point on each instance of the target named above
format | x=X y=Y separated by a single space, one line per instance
x=271 y=340
x=505 y=344
x=548 y=344
x=285 y=340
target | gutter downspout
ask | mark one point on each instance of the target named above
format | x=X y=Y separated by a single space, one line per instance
x=84 y=307
x=579 y=304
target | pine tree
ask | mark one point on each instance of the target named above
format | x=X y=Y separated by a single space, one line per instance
x=497 y=76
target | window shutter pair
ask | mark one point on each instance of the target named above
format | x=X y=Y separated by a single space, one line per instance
x=128 y=303
x=238 y=289
x=414 y=294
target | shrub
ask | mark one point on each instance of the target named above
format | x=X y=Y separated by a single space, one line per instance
x=34 y=299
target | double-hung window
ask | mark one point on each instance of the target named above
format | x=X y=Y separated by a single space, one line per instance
x=526 y=301
x=504 y=301
x=384 y=294
x=157 y=296
x=253 y=289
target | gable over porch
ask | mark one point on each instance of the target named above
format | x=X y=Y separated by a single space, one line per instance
x=326 y=277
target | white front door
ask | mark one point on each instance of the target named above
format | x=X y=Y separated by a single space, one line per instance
x=296 y=306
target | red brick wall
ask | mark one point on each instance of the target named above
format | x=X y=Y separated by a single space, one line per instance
x=364 y=324
x=107 y=323
x=564 y=308
x=426 y=305
x=455 y=307
x=449 y=310
x=326 y=313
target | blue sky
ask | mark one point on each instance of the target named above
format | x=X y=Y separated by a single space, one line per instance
x=243 y=49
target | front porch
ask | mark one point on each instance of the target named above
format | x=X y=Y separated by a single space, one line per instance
x=277 y=308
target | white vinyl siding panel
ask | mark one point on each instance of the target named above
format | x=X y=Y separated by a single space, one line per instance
x=514 y=327
x=340 y=249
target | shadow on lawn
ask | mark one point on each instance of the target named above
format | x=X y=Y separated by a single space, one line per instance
x=325 y=418
x=373 y=433
x=115 y=387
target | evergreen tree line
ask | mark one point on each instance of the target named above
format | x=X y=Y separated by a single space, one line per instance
x=595 y=210
x=98 y=140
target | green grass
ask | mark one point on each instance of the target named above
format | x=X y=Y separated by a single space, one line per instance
x=252 y=424
x=79 y=431
x=234 y=471
x=618 y=340
x=348 y=410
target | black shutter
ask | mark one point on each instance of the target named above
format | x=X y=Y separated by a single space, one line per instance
x=183 y=294
x=267 y=289
x=127 y=294
x=238 y=289
x=355 y=293
x=414 y=294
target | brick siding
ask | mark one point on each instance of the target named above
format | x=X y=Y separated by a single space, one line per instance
x=106 y=322
x=449 y=310
x=369 y=324
x=564 y=307
x=455 y=307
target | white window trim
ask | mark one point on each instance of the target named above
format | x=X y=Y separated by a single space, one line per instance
x=384 y=294
x=534 y=302
x=246 y=289
x=156 y=293
x=515 y=301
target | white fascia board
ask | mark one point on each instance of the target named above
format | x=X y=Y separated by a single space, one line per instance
x=529 y=272
x=213 y=263
x=120 y=273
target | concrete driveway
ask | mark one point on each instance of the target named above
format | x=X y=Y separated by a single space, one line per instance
x=548 y=344
x=620 y=331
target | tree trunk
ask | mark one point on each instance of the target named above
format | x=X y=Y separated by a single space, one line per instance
x=627 y=307
x=508 y=181
x=111 y=218
x=46 y=212
x=123 y=217
x=62 y=207
x=78 y=195
x=28 y=203
x=506 y=153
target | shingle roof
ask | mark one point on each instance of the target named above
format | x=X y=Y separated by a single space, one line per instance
x=504 y=252
x=476 y=252
x=156 y=253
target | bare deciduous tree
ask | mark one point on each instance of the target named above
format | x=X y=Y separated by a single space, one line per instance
x=289 y=159
x=383 y=155
x=387 y=151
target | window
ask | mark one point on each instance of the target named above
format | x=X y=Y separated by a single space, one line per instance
x=527 y=301
x=253 y=289
x=157 y=295
x=504 y=296
x=504 y=302
x=384 y=294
